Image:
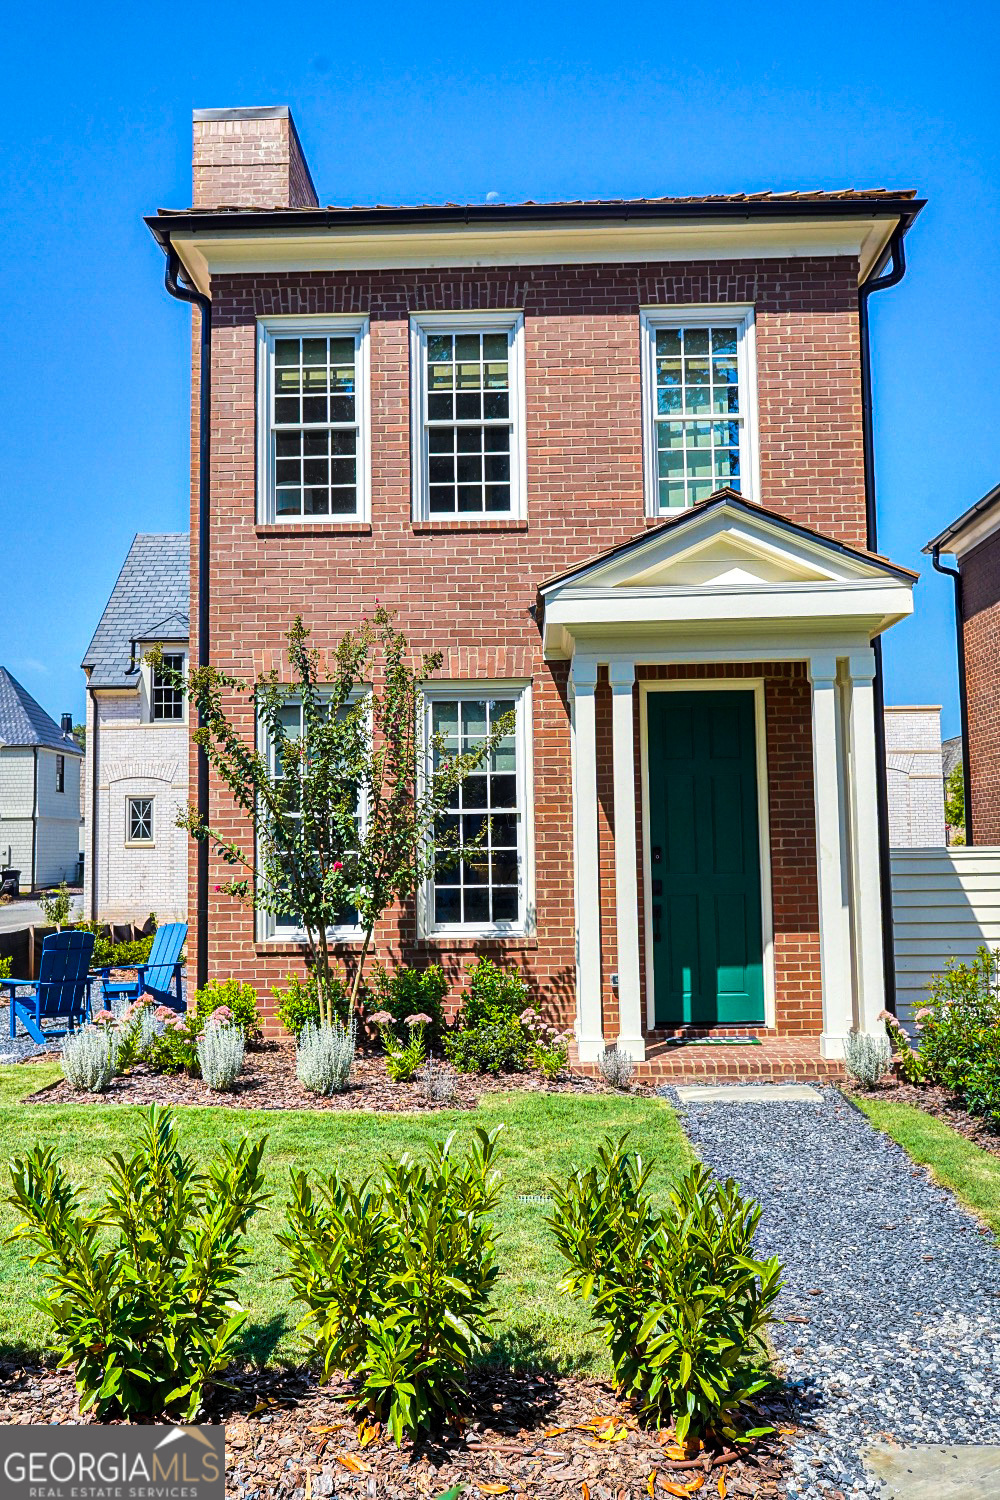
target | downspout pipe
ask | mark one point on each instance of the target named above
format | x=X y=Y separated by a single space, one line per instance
x=879 y=281
x=185 y=293
x=963 y=698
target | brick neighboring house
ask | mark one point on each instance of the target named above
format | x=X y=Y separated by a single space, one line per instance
x=915 y=776
x=609 y=459
x=136 y=780
x=974 y=542
x=39 y=790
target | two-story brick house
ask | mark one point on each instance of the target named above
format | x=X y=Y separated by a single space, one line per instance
x=609 y=458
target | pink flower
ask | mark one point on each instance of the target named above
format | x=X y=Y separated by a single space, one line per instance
x=337 y=866
x=103 y=1017
x=220 y=1015
x=381 y=1018
x=418 y=1020
x=528 y=1015
x=218 y=887
x=163 y=1013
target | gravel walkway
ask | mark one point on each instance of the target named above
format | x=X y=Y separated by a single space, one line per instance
x=894 y=1288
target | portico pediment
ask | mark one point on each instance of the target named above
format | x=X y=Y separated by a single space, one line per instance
x=724 y=561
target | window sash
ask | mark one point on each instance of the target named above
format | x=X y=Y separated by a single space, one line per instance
x=166 y=702
x=692 y=450
x=429 y=430
x=343 y=438
x=140 y=820
x=60 y=773
x=453 y=878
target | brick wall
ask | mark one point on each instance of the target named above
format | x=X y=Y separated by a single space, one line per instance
x=915 y=777
x=471 y=589
x=981 y=610
x=250 y=159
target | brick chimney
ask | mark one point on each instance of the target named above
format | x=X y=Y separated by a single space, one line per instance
x=249 y=158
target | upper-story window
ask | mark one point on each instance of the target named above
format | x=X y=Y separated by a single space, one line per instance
x=467 y=407
x=166 y=701
x=60 y=773
x=699 y=405
x=313 y=419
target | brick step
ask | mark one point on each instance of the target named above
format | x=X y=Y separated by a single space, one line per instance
x=777 y=1060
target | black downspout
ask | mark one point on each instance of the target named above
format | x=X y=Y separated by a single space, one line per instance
x=184 y=293
x=963 y=701
x=879 y=283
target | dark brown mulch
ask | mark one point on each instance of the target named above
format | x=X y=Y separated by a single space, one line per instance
x=268 y=1081
x=937 y=1101
x=530 y=1435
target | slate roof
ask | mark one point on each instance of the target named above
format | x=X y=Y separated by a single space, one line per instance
x=25 y=722
x=150 y=602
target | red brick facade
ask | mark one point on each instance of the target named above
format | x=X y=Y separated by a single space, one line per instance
x=980 y=570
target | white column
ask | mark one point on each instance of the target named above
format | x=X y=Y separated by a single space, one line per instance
x=630 y=1038
x=586 y=870
x=833 y=935
x=866 y=886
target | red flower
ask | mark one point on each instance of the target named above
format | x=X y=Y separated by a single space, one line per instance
x=337 y=866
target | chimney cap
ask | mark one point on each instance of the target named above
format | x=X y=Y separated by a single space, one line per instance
x=245 y=112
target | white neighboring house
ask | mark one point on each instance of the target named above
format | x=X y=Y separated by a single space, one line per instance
x=39 y=790
x=914 y=778
x=136 y=779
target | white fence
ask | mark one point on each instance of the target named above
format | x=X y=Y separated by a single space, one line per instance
x=945 y=903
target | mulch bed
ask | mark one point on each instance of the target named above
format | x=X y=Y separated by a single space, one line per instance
x=530 y=1436
x=937 y=1101
x=268 y=1082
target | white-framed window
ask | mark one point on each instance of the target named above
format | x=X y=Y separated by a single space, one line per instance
x=699 y=404
x=313 y=419
x=488 y=892
x=467 y=407
x=60 y=773
x=166 y=701
x=287 y=926
x=139 y=820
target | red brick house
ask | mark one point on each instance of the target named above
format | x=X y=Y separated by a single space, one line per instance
x=974 y=542
x=608 y=457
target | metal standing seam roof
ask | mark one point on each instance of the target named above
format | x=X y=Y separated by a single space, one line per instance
x=23 y=722
x=149 y=602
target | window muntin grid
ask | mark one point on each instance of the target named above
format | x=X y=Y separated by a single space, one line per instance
x=485 y=889
x=140 y=820
x=289 y=923
x=699 y=412
x=468 y=422
x=167 y=701
x=315 y=417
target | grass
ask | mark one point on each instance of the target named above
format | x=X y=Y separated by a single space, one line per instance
x=546 y=1134
x=959 y=1165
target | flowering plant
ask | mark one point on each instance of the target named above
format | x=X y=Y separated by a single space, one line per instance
x=548 y=1046
x=403 y=1060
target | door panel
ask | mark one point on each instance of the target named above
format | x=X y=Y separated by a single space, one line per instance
x=704 y=851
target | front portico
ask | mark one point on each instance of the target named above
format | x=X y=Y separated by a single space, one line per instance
x=724 y=658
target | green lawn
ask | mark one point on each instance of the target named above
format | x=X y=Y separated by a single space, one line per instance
x=546 y=1133
x=972 y=1174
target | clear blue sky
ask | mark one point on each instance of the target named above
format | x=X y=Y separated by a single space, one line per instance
x=415 y=103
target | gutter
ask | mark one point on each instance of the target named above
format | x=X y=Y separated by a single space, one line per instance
x=878 y=281
x=184 y=293
x=963 y=698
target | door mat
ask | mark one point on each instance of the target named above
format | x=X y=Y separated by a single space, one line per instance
x=713 y=1041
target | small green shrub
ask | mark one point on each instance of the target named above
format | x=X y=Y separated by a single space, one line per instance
x=493 y=991
x=56 y=906
x=5 y=967
x=498 y=1046
x=142 y=1290
x=407 y=992
x=109 y=955
x=298 y=1003
x=959 y=1028
x=680 y=1297
x=239 y=999
x=397 y=1273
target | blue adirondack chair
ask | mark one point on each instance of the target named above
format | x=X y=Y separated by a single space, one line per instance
x=61 y=991
x=159 y=977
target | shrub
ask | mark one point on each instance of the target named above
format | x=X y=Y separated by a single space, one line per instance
x=616 y=1068
x=173 y=1047
x=220 y=1054
x=89 y=1058
x=396 y=1273
x=960 y=1032
x=238 y=998
x=5 y=967
x=497 y=1046
x=411 y=992
x=403 y=1060
x=439 y=1084
x=56 y=906
x=324 y=1056
x=142 y=1289
x=867 y=1058
x=680 y=1297
x=493 y=991
x=298 y=1005
x=109 y=955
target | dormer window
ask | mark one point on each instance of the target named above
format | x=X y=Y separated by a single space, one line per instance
x=166 y=701
x=698 y=399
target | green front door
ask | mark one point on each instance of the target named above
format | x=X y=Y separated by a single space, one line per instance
x=704 y=858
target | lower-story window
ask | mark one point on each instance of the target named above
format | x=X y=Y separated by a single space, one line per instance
x=484 y=889
x=139 y=820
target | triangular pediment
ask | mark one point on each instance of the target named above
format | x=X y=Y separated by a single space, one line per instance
x=729 y=544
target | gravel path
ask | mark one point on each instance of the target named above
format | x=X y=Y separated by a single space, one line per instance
x=896 y=1288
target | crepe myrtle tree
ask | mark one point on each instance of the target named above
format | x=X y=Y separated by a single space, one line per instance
x=346 y=811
